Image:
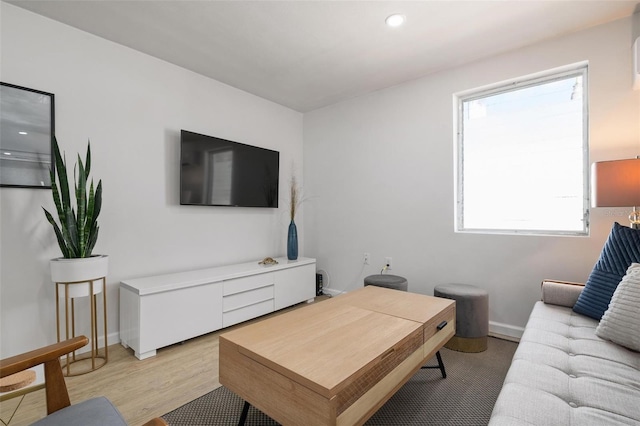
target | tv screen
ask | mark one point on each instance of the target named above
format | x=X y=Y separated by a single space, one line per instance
x=218 y=172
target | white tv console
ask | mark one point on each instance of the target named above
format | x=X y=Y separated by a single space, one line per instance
x=166 y=309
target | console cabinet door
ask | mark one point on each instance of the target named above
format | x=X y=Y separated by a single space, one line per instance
x=295 y=285
x=177 y=315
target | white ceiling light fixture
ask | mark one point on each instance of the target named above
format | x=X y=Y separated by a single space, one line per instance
x=395 y=20
x=22 y=133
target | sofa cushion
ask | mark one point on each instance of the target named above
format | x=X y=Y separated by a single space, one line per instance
x=621 y=321
x=92 y=412
x=619 y=252
x=563 y=374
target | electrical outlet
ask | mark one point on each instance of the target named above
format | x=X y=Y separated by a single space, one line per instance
x=366 y=258
x=387 y=262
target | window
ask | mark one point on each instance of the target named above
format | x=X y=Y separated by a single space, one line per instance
x=522 y=156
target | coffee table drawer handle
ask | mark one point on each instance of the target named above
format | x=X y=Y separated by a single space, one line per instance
x=442 y=325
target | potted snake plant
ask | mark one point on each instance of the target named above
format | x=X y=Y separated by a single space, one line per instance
x=77 y=230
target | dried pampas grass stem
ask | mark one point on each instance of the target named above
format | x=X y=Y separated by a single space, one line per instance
x=295 y=197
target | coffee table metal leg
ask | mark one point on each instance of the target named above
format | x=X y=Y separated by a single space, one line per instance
x=243 y=416
x=440 y=365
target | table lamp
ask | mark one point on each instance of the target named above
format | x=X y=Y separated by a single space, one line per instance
x=617 y=184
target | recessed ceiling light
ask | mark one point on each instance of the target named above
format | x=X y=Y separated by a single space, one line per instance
x=7 y=153
x=22 y=133
x=395 y=20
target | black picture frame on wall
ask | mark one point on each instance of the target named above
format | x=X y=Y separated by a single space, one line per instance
x=27 y=127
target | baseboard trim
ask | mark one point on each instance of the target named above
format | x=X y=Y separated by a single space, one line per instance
x=505 y=331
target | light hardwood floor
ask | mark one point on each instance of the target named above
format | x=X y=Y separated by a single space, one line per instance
x=140 y=389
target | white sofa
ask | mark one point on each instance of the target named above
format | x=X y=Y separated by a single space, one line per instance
x=563 y=374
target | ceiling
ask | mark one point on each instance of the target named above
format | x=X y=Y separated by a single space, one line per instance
x=309 y=54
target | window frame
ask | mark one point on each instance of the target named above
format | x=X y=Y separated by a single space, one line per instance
x=579 y=69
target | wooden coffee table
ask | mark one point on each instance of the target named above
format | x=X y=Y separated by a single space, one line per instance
x=335 y=362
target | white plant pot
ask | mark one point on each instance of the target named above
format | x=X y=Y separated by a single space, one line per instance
x=80 y=272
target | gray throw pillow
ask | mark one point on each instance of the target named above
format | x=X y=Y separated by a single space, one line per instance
x=621 y=321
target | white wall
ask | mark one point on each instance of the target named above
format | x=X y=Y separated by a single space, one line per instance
x=379 y=171
x=132 y=107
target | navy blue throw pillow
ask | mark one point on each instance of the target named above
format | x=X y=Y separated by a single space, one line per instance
x=619 y=252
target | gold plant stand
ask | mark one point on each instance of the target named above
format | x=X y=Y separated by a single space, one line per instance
x=84 y=363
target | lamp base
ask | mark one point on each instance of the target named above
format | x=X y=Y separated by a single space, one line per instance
x=634 y=218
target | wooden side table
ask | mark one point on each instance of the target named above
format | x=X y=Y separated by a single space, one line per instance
x=71 y=291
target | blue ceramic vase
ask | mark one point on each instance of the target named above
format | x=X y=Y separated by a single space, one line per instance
x=292 y=241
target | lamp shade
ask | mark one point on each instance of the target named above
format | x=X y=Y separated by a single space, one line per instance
x=615 y=183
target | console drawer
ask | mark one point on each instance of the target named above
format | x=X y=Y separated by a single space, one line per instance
x=246 y=298
x=238 y=285
x=246 y=313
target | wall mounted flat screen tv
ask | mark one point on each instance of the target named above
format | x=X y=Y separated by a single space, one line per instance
x=219 y=172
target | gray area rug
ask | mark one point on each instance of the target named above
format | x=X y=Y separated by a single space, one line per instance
x=465 y=397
